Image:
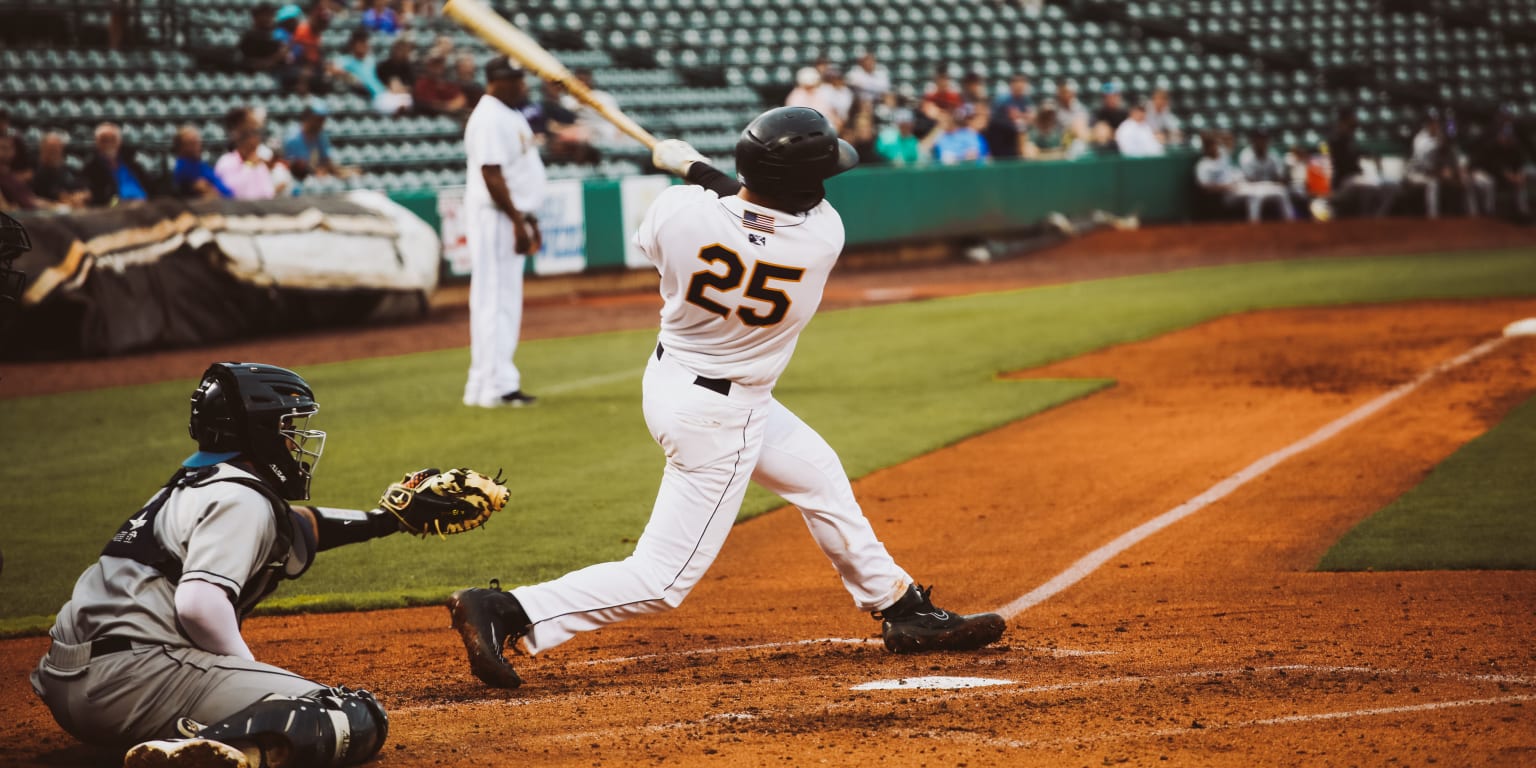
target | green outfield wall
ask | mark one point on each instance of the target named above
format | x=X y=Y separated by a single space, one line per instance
x=880 y=205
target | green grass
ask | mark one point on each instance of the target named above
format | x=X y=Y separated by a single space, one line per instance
x=1476 y=510
x=882 y=384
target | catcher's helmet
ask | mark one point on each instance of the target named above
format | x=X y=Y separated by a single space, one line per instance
x=13 y=243
x=786 y=153
x=261 y=412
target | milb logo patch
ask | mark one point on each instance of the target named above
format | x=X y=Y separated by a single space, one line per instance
x=757 y=239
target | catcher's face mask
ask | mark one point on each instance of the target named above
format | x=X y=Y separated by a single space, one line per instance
x=303 y=443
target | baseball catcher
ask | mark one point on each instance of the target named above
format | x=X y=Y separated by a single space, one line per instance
x=148 y=653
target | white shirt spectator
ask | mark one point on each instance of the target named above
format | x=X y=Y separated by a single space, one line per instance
x=839 y=99
x=1136 y=139
x=871 y=86
x=1270 y=167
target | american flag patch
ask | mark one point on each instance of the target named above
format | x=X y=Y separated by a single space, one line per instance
x=757 y=221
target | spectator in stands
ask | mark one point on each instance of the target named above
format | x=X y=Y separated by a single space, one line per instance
x=1134 y=137
x=942 y=93
x=870 y=81
x=260 y=50
x=1502 y=161
x=53 y=181
x=1436 y=163
x=14 y=192
x=285 y=23
x=398 y=66
x=23 y=162
x=1100 y=143
x=113 y=174
x=1167 y=126
x=860 y=132
x=1224 y=184
x=598 y=129
x=308 y=148
x=1073 y=115
x=973 y=89
x=1005 y=129
x=808 y=93
x=192 y=177
x=307 y=34
x=896 y=142
x=466 y=75
x=563 y=138
x=244 y=172
x=358 y=69
x=1046 y=138
x=839 y=97
x=381 y=18
x=1350 y=182
x=435 y=94
x=1259 y=161
x=1020 y=97
x=954 y=141
x=1112 y=109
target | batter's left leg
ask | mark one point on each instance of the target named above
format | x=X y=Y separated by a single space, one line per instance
x=800 y=466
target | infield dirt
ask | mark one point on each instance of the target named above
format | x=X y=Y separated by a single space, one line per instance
x=1209 y=643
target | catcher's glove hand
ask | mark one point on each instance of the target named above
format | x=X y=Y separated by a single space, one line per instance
x=455 y=501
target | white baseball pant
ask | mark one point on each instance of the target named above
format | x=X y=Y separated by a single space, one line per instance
x=495 y=305
x=714 y=445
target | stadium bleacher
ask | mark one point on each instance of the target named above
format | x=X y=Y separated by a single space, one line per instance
x=698 y=69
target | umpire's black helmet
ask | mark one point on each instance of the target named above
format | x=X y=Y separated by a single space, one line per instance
x=786 y=153
x=262 y=413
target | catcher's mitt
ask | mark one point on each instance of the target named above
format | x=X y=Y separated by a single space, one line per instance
x=455 y=501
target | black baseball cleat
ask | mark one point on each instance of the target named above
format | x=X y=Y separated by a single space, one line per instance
x=518 y=399
x=913 y=625
x=488 y=620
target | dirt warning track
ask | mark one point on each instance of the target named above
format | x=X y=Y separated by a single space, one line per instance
x=1209 y=641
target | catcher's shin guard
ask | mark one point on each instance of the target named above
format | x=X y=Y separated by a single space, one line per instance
x=913 y=625
x=488 y=620
x=328 y=728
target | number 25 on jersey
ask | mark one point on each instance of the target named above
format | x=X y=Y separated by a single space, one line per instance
x=757 y=286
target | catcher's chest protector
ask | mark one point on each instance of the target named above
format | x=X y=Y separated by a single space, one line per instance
x=136 y=539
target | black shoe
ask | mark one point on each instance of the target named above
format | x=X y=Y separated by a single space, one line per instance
x=518 y=399
x=913 y=625
x=488 y=620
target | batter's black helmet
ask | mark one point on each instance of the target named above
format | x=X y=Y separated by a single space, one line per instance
x=13 y=243
x=262 y=413
x=786 y=153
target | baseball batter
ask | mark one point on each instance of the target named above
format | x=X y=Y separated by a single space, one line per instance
x=742 y=268
x=148 y=649
x=504 y=185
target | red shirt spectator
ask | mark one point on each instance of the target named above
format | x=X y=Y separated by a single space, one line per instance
x=942 y=93
x=434 y=92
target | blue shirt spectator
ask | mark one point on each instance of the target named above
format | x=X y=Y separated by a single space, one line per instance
x=381 y=18
x=191 y=176
x=308 y=148
x=112 y=174
x=358 y=62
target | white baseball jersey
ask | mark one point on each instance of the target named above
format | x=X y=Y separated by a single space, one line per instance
x=497 y=134
x=740 y=281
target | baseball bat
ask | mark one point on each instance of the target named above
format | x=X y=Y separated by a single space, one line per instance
x=489 y=26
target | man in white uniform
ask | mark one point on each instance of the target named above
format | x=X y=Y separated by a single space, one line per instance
x=504 y=186
x=742 y=266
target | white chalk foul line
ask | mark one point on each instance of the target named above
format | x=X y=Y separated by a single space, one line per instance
x=1260 y=723
x=1093 y=560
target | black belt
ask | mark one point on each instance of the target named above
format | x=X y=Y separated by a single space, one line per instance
x=722 y=386
x=102 y=646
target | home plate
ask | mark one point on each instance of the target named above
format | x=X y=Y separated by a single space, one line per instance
x=1526 y=327
x=930 y=683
